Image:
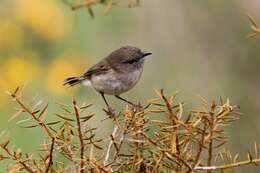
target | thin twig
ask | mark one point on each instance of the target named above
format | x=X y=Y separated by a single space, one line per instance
x=18 y=160
x=168 y=106
x=87 y=4
x=155 y=168
x=109 y=147
x=173 y=118
x=210 y=146
x=81 y=140
x=120 y=143
x=227 y=166
x=50 y=156
x=26 y=109
x=200 y=147
x=99 y=167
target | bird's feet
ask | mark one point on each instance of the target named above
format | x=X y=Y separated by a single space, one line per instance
x=110 y=112
x=137 y=107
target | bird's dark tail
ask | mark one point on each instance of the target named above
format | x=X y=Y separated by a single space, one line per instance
x=71 y=81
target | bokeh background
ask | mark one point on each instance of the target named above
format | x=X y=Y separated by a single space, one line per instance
x=199 y=47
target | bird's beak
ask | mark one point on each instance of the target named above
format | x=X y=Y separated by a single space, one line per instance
x=146 y=54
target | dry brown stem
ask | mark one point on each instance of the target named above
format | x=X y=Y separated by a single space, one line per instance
x=82 y=146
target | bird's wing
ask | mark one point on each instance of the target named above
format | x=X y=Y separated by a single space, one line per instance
x=98 y=68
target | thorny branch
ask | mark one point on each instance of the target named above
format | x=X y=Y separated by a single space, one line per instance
x=254 y=27
x=82 y=146
x=50 y=156
x=25 y=108
x=88 y=4
x=16 y=156
x=228 y=166
x=200 y=147
x=110 y=144
x=166 y=137
x=173 y=118
x=211 y=135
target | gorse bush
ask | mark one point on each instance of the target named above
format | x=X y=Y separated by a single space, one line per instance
x=178 y=140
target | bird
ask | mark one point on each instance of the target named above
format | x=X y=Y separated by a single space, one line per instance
x=115 y=74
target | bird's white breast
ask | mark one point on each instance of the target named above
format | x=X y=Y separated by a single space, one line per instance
x=87 y=82
x=115 y=83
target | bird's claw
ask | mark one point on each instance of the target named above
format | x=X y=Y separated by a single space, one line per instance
x=137 y=107
x=110 y=112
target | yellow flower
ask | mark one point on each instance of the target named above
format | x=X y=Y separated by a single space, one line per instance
x=11 y=35
x=58 y=71
x=44 y=17
x=19 y=70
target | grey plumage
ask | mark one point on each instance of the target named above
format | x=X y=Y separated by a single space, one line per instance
x=114 y=74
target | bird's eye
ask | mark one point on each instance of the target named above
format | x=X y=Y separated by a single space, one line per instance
x=130 y=61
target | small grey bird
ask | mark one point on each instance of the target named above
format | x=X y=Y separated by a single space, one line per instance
x=114 y=74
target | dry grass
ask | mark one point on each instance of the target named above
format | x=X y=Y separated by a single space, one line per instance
x=179 y=141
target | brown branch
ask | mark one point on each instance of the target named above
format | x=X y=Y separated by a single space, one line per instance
x=155 y=168
x=26 y=109
x=81 y=140
x=99 y=167
x=50 y=156
x=200 y=146
x=173 y=118
x=111 y=142
x=18 y=160
x=73 y=7
x=168 y=106
x=227 y=166
x=120 y=143
x=254 y=27
x=210 y=146
x=168 y=154
x=179 y=159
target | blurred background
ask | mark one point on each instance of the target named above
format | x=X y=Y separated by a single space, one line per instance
x=199 y=47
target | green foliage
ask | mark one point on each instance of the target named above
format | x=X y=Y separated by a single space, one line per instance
x=180 y=140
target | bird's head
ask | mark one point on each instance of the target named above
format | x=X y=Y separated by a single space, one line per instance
x=128 y=55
